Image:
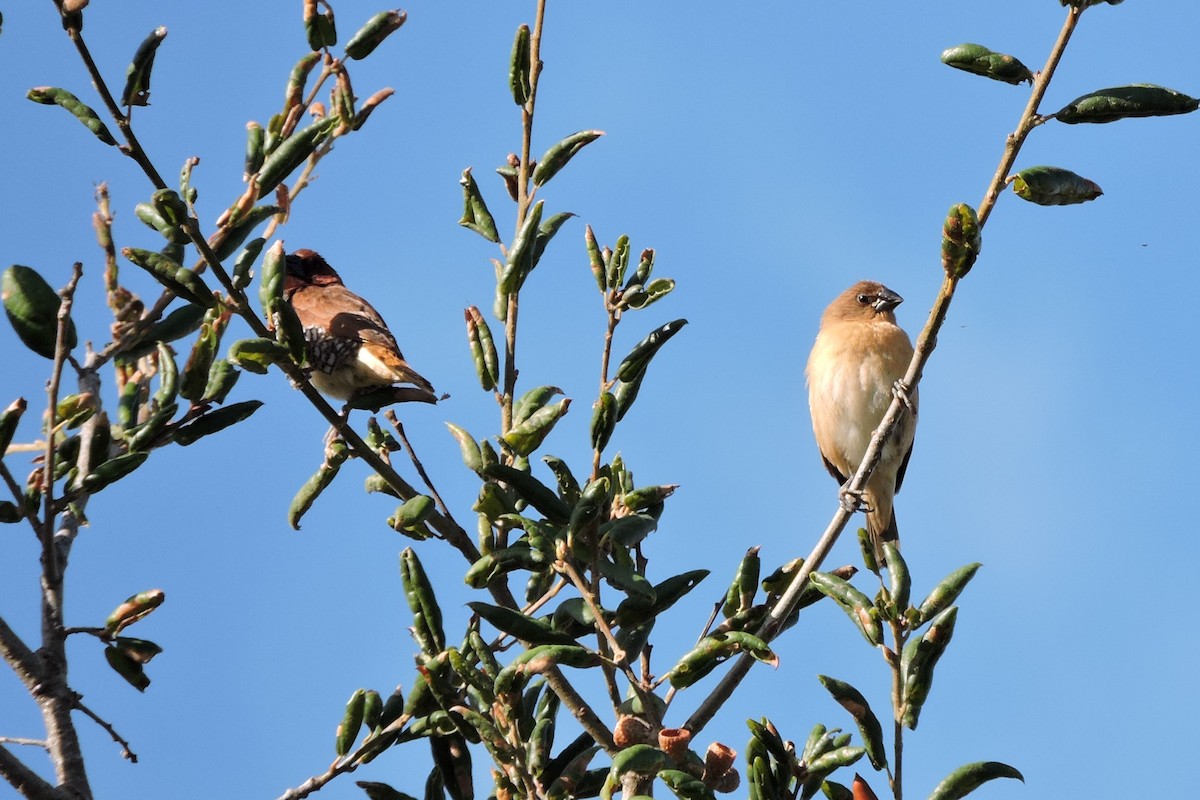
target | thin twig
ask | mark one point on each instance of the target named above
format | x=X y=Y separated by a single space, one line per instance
x=896 y=768
x=42 y=743
x=27 y=511
x=126 y=752
x=391 y=417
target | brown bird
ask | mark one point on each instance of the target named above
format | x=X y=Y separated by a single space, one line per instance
x=852 y=372
x=349 y=345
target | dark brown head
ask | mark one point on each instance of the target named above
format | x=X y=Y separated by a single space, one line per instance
x=307 y=268
x=865 y=301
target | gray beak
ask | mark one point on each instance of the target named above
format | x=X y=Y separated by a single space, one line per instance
x=887 y=300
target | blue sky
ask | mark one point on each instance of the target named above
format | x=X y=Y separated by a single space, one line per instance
x=772 y=154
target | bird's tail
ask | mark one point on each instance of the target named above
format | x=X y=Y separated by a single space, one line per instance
x=881 y=524
x=409 y=375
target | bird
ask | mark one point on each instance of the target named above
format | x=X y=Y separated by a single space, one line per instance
x=350 y=348
x=856 y=364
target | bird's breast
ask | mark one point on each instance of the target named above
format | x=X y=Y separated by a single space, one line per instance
x=851 y=372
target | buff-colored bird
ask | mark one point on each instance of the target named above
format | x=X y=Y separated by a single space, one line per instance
x=859 y=355
x=349 y=345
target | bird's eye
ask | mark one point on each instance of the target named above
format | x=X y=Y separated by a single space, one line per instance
x=865 y=299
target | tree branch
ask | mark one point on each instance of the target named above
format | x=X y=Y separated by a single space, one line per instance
x=19 y=657
x=926 y=342
x=126 y=752
x=28 y=783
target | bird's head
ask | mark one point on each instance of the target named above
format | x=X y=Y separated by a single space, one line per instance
x=865 y=301
x=307 y=268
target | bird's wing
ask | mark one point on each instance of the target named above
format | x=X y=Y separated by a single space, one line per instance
x=903 y=467
x=837 y=473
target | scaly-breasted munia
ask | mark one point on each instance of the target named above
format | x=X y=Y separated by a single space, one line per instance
x=350 y=348
x=859 y=356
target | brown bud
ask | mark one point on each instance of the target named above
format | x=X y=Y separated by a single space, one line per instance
x=631 y=730
x=717 y=761
x=861 y=789
x=674 y=742
x=729 y=782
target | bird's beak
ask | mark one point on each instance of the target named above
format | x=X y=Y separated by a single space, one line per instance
x=887 y=300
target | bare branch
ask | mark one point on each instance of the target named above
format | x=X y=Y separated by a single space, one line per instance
x=116 y=737
x=28 y=783
x=18 y=656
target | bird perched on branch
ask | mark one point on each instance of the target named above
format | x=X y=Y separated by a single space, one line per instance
x=350 y=348
x=856 y=363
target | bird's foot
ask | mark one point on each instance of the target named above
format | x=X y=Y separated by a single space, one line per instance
x=904 y=393
x=852 y=500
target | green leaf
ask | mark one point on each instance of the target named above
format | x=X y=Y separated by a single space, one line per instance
x=32 y=305
x=869 y=728
x=970 y=777
x=500 y=562
x=352 y=719
x=528 y=436
x=961 y=243
x=257 y=354
x=410 y=516
x=531 y=490
x=518 y=67
x=560 y=153
x=238 y=228
x=523 y=627
x=1053 y=186
x=49 y=95
x=1121 y=102
x=714 y=650
x=918 y=661
x=216 y=420
x=127 y=668
x=471 y=454
x=977 y=59
x=639 y=759
x=520 y=256
x=372 y=34
x=319 y=28
x=899 y=583
x=113 y=470
x=666 y=594
x=336 y=454
x=626 y=580
x=604 y=420
x=185 y=283
x=291 y=153
x=427 y=614
x=546 y=232
x=634 y=364
x=740 y=594
x=8 y=422
x=381 y=791
x=946 y=592
x=137 y=77
x=856 y=604
x=639 y=297
x=475 y=211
